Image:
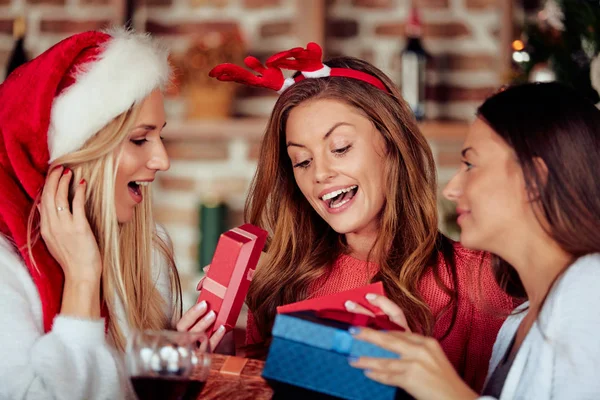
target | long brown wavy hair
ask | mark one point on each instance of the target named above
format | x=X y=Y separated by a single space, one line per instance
x=303 y=247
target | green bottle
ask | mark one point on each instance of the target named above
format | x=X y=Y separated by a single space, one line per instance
x=212 y=224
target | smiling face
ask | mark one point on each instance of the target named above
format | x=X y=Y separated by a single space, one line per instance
x=489 y=192
x=143 y=154
x=337 y=156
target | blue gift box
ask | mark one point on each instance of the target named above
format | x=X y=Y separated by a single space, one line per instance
x=312 y=353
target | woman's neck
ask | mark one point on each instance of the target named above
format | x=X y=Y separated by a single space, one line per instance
x=538 y=261
x=361 y=244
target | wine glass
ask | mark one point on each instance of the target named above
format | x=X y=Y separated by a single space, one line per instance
x=168 y=364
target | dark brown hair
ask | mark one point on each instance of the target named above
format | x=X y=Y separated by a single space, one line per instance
x=551 y=122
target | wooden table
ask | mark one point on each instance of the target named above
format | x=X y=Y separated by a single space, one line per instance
x=235 y=378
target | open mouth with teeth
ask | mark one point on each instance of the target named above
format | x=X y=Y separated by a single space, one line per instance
x=340 y=197
x=135 y=188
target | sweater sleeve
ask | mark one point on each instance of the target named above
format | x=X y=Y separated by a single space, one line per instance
x=572 y=332
x=72 y=361
x=252 y=334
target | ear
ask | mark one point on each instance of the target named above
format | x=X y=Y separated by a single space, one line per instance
x=541 y=169
x=541 y=172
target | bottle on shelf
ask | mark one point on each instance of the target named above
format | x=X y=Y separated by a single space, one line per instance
x=18 y=55
x=414 y=59
x=213 y=222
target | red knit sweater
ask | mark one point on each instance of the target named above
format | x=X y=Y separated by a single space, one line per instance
x=481 y=304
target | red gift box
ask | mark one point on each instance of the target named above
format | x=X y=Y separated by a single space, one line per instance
x=333 y=307
x=336 y=301
x=227 y=281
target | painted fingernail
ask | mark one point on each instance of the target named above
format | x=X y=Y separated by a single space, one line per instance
x=352 y=359
x=82 y=182
x=211 y=315
x=201 y=306
x=66 y=171
x=370 y=296
x=221 y=329
x=353 y=331
x=350 y=305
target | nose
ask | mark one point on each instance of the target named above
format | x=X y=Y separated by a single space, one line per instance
x=453 y=189
x=323 y=170
x=159 y=159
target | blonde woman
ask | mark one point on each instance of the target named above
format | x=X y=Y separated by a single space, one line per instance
x=82 y=261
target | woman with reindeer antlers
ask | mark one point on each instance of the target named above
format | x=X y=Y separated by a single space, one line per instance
x=346 y=186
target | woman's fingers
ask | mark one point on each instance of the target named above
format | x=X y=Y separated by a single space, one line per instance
x=205 y=270
x=403 y=343
x=390 y=308
x=191 y=316
x=205 y=322
x=196 y=319
x=50 y=187
x=380 y=364
x=357 y=308
x=390 y=378
x=79 y=201
x=62 y=194
x=216 y=338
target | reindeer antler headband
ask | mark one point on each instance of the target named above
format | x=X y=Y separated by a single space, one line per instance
x=306 y=61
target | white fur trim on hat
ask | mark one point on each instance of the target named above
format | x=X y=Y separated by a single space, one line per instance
x=320 y=73
x=129 y=68
x=286 y=84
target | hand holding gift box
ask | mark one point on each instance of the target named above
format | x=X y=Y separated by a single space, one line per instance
x=227 y=281
x=311 y=346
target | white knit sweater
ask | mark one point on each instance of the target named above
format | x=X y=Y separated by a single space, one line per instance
x=73 y=360
x=560 y=356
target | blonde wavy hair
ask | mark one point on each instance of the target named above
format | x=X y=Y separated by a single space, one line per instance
x=128 y=277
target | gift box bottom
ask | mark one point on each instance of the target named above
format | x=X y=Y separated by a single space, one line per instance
x=285 y=391
x=295 y=364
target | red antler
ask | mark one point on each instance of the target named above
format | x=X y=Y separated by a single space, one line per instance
x=269 y=77
x=299 y=59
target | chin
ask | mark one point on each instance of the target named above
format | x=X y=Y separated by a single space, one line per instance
x=343 y=227
x=124 y=218
x=469 y=241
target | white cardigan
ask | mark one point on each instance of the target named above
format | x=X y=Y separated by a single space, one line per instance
x=73 y=360
x=560 y=356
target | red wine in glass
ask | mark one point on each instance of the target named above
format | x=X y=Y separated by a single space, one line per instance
x=168 y=365
x=166 y=388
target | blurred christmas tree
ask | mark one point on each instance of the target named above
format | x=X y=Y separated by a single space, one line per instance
x=562 y=43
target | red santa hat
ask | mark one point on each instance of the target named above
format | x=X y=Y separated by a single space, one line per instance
x=50 y=107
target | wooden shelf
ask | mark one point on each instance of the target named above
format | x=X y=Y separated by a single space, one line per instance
x=254 y=128
x=444 y=130
x=251 y=128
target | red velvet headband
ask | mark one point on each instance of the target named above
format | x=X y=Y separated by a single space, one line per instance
x=306 y=61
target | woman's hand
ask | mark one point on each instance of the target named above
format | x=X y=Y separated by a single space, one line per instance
x=423 y=370
x=70 y=240
x=191 y=321
x=196 y=319
x=67 y=233
x=391 y=309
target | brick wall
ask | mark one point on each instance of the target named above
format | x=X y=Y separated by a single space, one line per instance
x=49 y=21
x=212 y=160
x=461 y=36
